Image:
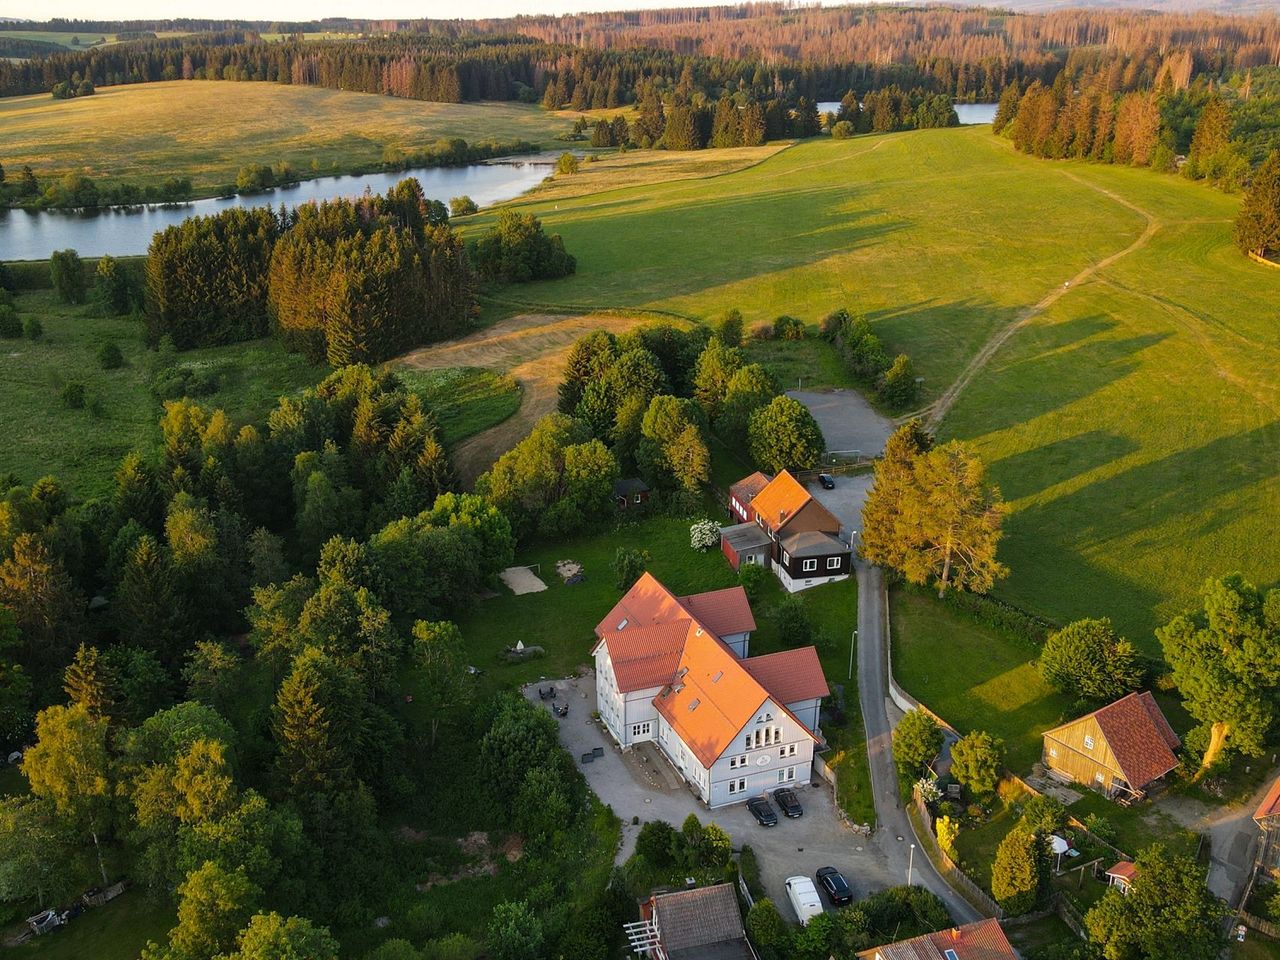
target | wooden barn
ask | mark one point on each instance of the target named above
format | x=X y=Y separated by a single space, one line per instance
x=1119 y=750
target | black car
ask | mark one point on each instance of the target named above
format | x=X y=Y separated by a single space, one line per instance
x=762 y=811
x=786 y=800
x=833 y=882
x=827 y=480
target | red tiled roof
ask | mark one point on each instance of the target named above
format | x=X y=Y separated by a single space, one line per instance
x=1270 y=805
x=645 y=657
x=780 y=500
x=789 y=676
x=984 y=940
x=1140 y=738
x=747 y=488
x=1124 y=870
x=723 y=612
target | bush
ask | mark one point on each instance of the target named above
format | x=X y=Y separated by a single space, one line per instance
x=1043 y=814
x=516 y=250
x=762 y=331
x=976 y=761
x=656 y=842
x=1019 y=871
x=843 y=130
x=110 y=357
x=832 y=323
x=73 y=395
x=1100 y=827
x=704 y=535
x=749 y=867
x=10 y=325
x=176 y=382
x=462 y=206
x=916 y=741
x=791 y=616
x=567 y=163
x=628 y=566
x=948 y=830
x=33 y=328
x=729 y=328
x=753 y=577
x=788 y=328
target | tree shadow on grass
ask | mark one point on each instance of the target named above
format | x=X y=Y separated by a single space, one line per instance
x=1030 y=471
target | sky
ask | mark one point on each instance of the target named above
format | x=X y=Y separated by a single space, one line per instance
x=313 y=9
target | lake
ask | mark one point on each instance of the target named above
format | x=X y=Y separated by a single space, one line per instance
x=969 y=113
x=124 y=231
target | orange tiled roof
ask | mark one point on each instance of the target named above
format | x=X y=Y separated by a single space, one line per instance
x=1270 y=805
x=723 y=612
x=748 y=488
x=645 y=657
x=782 y=498
x=984 y=940
x=791 y=675
x=647 y=603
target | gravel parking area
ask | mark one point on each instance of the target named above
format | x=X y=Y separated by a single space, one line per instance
x=848 y=422
x=640 y=783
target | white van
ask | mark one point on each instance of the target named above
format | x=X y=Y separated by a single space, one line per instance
x=804 y=898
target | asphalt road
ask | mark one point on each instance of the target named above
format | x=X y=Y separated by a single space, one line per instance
x=894 y=834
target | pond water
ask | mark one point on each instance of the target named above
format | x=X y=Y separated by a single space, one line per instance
x=124 y=231
x=969 y=113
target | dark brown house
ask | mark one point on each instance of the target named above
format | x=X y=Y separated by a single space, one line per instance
x=630 y=492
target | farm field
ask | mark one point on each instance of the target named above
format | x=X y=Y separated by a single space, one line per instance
x=207 y=130
x=1132 y=423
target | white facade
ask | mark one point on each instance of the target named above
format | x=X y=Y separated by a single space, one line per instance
x=772 y=750
x=629 y=717
x=738 y=642
x=796 y=584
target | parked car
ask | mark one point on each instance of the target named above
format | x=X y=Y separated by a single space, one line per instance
x=762 y=811
x=827 y=480
x=804 y=899
x=833 y=882
x=786 y=800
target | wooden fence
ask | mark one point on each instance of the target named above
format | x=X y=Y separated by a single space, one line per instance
x=1264 y=927
x=949 y=869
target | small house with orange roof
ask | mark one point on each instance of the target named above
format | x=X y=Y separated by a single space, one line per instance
x=1119 y=750
x=1267 y=817
x=984 y=940
x=675 y=671
x=784 y=527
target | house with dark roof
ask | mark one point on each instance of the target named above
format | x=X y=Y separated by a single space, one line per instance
x=1267 y=817
x=676 y=671
x=1119 y=750
x=630 y=492
x=784 y=527
x=984 y=940
x=700 y=924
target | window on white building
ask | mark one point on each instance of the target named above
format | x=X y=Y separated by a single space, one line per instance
x=810 y=565
x=787 y=775
x=788 y=751
x=737 y=786
x=833 y=563
x=641 y=729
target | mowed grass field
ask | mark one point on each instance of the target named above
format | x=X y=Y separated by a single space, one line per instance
x=1133 y=424
x=207 y=130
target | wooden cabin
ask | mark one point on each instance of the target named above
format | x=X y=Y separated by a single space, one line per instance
x=1119 y=750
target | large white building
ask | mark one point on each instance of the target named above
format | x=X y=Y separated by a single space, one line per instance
x=676 y=671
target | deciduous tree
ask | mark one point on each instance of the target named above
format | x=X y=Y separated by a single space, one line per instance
x=782 y=435
x=1020 y=870
x=916 y=741
x=975 y=762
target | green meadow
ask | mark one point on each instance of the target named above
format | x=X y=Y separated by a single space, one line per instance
x=1132 y=424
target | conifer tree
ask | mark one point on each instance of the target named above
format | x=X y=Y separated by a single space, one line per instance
x=1258 y=223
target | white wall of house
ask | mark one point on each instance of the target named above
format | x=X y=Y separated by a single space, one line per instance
x=738 y=643
x=796 y=584
x=772 y=750
x=807 y=712
x=609 y=701
x=641 y=716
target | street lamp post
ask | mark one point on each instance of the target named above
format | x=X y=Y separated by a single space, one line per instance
x=911 y=862
x=853 y=642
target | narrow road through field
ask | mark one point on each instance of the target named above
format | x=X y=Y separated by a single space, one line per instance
x=934 y=413
x=894 y=834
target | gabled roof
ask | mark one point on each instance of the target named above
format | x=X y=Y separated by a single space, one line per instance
x=711 y=697
x=647 y=602
x=1270 y=805
x=689 y=919
x=791 y=676
x=781 y=499
x=1139 y=736
x=646 y=657
x=723 y=612
x=984 y=940
x=746 y=489
x=1125 y=870
x=628 y=486
x=812 y=543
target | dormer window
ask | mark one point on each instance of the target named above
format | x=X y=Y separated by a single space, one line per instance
x=694 y=705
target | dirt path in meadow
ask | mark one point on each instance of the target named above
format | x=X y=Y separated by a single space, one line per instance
x=532 y=348
x=936 y=411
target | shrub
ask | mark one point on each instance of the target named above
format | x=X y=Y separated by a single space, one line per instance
x=73 y=395
x=791 y=616
x=833 y=322
x=1043 y=814
x=10 y=325
x=975 y=762
x=897 y=386
x=729 y=328
x=176 y=382
x=7 y=282
x=33 y=328
x=516 y=250
x=788 y=328
x=1019 y=871
x=1100 y=827
x=843 y=130
x=110 y=357
x=767 y=929
x=948 y=831
x=656 y=841
x=916 y=741
x=762 y=331
x=567 y=163
x=462 y=206
x=628 y=565
x=704 y=535
x=753 y=577
x=749 y=867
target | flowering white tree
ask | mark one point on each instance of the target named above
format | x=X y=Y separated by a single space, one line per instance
x=704 y=535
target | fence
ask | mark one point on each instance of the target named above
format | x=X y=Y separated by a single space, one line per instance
x=950 y=871
x=1264 y=927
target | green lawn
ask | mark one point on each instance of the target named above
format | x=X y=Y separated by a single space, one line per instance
x=208 y=129
x=116 y=931
x=465 y=400
x=82 y=448
x=975 y=677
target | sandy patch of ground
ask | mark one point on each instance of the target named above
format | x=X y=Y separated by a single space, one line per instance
x=532 y=348
x=522 y=580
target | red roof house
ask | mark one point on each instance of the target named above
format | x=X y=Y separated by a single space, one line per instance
x=984 y=940
x=1120 y=749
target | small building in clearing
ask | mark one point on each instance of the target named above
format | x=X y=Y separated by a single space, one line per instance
x=630 y=492
x=1119 y=750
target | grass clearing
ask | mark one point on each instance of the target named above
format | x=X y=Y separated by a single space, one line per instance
x=208 y=129
x=115 y=931
x=465 y=400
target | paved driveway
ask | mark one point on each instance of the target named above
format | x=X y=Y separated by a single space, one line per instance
x=846 y=500
x=848 y=422
x=641 y=783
